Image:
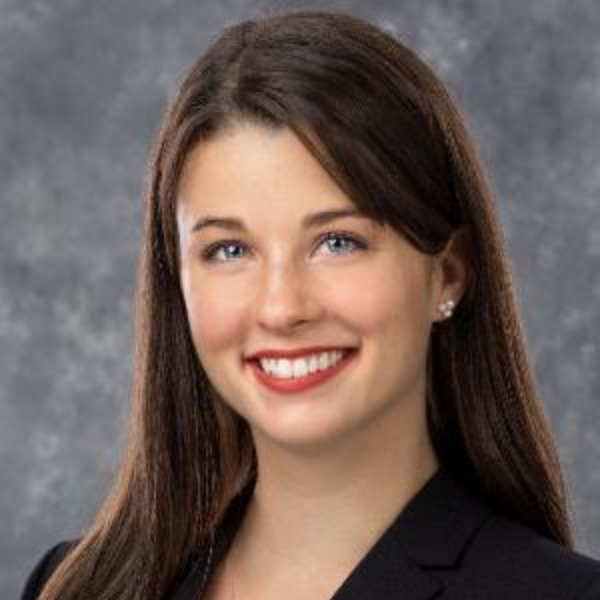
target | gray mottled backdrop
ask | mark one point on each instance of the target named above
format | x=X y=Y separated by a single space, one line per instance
x=82 y=88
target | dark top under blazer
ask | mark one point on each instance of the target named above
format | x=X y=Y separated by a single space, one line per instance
x=447 y=543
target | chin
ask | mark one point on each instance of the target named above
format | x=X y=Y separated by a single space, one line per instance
x=304 y=434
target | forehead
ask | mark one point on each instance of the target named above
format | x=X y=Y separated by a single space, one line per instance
x=251 y=161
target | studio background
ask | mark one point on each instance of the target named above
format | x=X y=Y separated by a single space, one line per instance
x=83 y=86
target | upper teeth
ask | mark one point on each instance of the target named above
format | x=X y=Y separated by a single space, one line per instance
x=284 y=368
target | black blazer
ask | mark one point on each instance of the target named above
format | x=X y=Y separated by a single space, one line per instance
x=447 y=543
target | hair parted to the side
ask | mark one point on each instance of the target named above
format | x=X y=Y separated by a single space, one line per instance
x=383 y=125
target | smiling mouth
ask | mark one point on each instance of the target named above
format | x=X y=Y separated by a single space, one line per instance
x=290 y=384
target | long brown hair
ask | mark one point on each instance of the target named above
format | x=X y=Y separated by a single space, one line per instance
x=383 y=125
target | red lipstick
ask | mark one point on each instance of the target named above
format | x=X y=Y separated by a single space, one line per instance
x=296 y=385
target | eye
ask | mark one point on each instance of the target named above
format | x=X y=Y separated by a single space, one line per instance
x=355 y=243
x=210 y=252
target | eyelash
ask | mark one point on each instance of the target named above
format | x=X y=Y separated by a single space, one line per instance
x=209 y=252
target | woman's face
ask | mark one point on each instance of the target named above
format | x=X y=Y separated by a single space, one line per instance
x=275 y=282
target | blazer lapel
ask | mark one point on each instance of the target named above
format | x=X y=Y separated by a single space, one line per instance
x=431 y=531
x=386 y=573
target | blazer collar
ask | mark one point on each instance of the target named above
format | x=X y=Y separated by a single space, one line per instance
x=432 y=530
x=435 y=526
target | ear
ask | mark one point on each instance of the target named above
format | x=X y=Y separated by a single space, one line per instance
x=450 y=273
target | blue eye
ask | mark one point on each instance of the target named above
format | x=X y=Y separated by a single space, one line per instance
x=355 y=243
x=209 y=253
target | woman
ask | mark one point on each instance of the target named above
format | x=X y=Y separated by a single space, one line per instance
x=313 y=420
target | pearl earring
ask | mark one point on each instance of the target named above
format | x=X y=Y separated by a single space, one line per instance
x=447 y=308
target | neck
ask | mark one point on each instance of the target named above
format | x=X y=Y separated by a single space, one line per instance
x=323 y=509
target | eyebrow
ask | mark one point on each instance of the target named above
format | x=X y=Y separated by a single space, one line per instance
x=310 y=220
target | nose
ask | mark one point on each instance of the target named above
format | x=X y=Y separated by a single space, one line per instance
x=286 y=299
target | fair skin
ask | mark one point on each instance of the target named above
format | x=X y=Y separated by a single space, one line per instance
x=322 y=452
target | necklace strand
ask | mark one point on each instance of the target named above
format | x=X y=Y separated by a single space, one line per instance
x=208 y=565
x=230 y=575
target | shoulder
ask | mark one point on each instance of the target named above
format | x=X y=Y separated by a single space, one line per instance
x=44 y=567
x=508 y=554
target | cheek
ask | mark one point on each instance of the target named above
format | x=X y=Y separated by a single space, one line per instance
x=395 y=325
x=213 y=317
x=380 y=303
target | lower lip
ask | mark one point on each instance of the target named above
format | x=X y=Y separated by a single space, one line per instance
x=292 y=385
